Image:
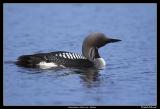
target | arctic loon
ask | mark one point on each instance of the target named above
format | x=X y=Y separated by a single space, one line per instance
x=90 y=56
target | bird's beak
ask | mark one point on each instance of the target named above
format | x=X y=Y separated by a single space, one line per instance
x=113 y=40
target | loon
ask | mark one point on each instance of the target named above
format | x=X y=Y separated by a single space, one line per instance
x=90 y=56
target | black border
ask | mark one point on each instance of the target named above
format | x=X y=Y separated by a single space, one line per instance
x=81 y=1
x=77 y=107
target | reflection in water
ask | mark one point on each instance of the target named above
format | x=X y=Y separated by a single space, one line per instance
x=90 y=77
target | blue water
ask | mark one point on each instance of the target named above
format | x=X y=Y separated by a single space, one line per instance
x=129 y=78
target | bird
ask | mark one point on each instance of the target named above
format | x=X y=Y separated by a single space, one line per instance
x=90 y=57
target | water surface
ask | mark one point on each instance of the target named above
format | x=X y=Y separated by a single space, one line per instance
x=129 y=77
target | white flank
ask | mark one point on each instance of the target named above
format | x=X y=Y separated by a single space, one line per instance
x=62 y=66
x=45 y=65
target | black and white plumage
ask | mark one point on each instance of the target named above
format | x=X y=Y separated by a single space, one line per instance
x=90 y=57
x=54 y=59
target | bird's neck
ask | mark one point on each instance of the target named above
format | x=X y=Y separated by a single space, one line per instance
x=92 y=54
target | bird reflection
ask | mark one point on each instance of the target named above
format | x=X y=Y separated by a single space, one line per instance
x=89 y=77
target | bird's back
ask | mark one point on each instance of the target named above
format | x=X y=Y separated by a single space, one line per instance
x=59 y=58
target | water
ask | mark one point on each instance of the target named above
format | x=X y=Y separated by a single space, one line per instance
x=129 y=77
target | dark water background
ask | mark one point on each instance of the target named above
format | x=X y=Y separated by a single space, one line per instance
x=129 y=77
